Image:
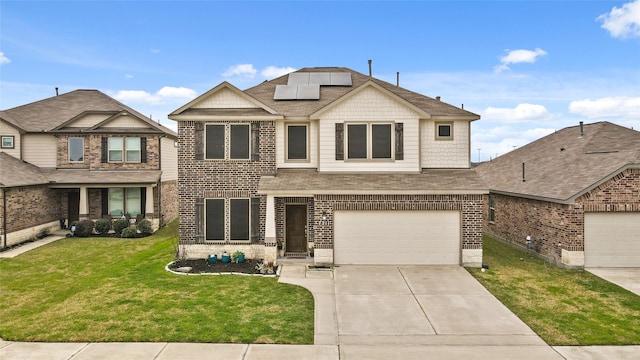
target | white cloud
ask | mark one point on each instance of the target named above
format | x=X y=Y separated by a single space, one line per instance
x=521 y=113
x=497 y=141
x=128 y=76
x=162 y=96
x=607 y=107
x=519 y=56
x=622 y=22
x=272 y=72
x=242 y=70
x=4 y=59
x=154 y=51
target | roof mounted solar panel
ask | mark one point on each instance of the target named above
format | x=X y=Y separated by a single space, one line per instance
x=285 y=92
x=308 y=92
x=341 y=78
x=298 y=78
x=320 y=78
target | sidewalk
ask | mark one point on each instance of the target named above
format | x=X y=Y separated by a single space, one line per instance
x=54 y=236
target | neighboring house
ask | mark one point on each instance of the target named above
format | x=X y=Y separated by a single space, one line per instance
x=357 y=169
x=574 y=194
x=82 y=155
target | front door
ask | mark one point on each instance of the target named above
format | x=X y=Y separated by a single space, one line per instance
x=73 y=206
x=296 y=234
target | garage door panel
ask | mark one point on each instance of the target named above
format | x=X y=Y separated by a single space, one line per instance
x=397 y=237
x=612 y=239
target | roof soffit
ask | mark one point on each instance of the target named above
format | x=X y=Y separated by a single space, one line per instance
x=369 y=84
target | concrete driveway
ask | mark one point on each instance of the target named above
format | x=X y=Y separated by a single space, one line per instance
x=628 y=278
x=418 y=312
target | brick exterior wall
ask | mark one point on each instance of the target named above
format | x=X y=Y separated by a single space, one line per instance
x=280 y=203
x=169 y=199
x=470 y=206
x=555 y=227
x=219 y=178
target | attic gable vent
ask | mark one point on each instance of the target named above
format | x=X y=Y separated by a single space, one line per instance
x=306 y=85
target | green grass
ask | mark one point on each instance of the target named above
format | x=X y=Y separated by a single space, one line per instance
x=564 y=307
x=98 y=289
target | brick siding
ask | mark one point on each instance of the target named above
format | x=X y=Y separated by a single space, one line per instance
x=169 y=199
x=29 y=206
x=93 y=154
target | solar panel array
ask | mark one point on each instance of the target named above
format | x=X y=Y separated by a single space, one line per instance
x=306 y=85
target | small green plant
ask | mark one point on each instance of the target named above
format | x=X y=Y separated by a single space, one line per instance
x=237 y=257
x=103 y=226
x=145 y=227
x=129 y=232
x=120 y=225
x=84 y=228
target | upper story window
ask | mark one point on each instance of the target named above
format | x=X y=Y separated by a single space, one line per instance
x=444 y=131
x=297 y=142
x=369 y=141
x=76 y=149
x=129 y=149
x=7 y=142
x=239 y=141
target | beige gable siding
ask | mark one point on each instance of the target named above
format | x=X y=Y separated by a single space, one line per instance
x=125 y=122
x=225 y=98
x=445 y=153
x=370 y=105
x=40 y=150
x=281 y=146
x=8 y=130
x=88 y=121
x=169 y=159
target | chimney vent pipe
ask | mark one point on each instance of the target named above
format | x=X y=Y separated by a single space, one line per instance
x=581 y=129
x=370 y=73
x=56 y=91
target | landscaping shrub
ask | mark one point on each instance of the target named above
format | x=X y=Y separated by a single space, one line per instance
x=120 y=225
x=103 y=226
x=145 y=227
x=84 y=228
x=129 y=232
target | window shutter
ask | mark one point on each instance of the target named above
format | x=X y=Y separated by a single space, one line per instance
x=399 y=142
x=105 y=201
x=199 y=235
x=143 y=149
x=255 y=141
x=199 y=141
x=339 y=141
x=143 y=200
x=255 y=220
x=105 y=149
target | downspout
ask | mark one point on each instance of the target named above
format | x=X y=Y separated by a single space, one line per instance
x=159 y=196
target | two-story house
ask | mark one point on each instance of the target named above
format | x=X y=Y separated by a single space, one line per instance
x=359 y=170
x=82 y=155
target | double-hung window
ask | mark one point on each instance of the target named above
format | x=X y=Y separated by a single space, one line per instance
x=127 y=149
x=76 y=149
x=238 y=211
x=369 y=141
x=297 y=142
x=125 y=201
x=492 y=208
x=239 y=143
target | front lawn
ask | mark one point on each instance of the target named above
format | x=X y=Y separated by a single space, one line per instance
x=107 y=289
x=564 y=307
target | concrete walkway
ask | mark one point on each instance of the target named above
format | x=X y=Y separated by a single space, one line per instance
x=628 y=278
x=21 y=249
x=376 y=312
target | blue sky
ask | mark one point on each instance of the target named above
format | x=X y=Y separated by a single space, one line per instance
x=528 y=68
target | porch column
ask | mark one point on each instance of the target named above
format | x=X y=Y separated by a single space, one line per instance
x=84 y=203
x=270 y=242
x=148 y=207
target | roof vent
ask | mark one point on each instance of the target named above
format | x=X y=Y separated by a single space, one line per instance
x=438 y=98
x=581 y=129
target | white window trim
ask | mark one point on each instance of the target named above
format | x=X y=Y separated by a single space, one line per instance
x=69 y=149
x=123 y=150
x=13 y=141
x=286 y=143
x=138 y=150
x=369 y=142
x=444 y=138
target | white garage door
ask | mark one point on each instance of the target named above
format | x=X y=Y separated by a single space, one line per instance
x=612 y=239
x=397 y=237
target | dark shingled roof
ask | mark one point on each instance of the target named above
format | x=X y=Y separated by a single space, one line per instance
x=16 y=172
x=445 y=181
x=564 y=165
x=50 y=113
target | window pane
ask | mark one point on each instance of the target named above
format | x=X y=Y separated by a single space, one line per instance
x=76 y=149
x=115 y=149
x=239 y=219
x=215 y=142
x=444 y=130
x=133 y=205
x=7 y=142
x=297 y=142
x=357 y=141
x=239 y=141
x=381 y=141
x=215 y=219
x=116 y=203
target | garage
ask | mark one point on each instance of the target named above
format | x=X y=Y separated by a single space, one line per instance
x=397 y=237
x=612 y=239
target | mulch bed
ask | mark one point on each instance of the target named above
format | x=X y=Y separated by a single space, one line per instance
x=201 y=266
